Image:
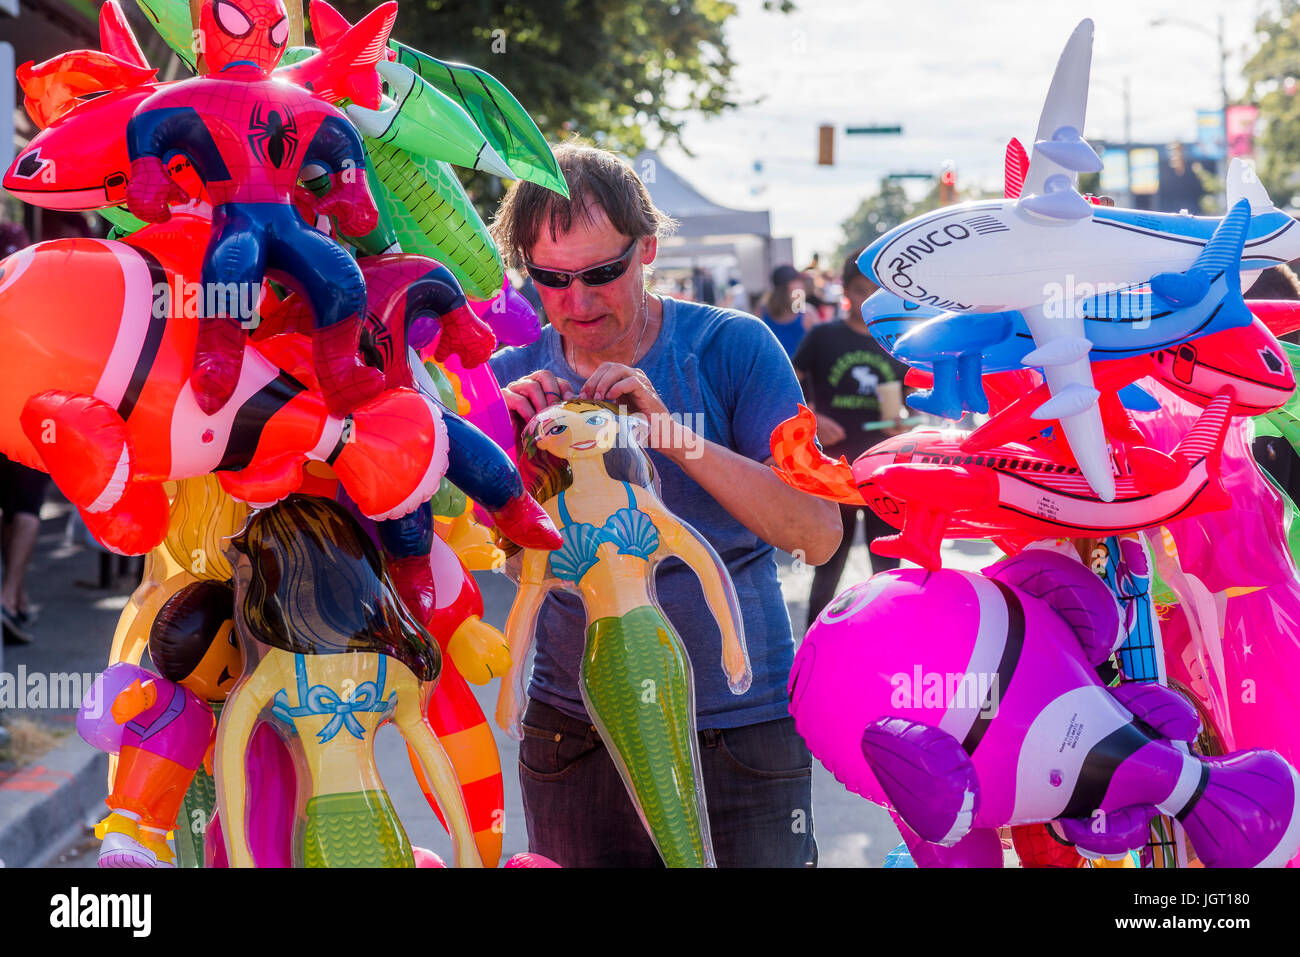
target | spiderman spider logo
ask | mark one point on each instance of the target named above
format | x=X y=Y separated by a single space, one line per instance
x=273 y=138
x=376 y=343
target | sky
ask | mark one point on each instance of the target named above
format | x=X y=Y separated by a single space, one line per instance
x=960 y=76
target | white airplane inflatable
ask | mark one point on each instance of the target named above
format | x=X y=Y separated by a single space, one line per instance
x=1047 y=251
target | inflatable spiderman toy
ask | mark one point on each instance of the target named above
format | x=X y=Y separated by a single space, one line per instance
x=249 y=136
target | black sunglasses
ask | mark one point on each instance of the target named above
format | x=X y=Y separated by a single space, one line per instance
x=599 y=275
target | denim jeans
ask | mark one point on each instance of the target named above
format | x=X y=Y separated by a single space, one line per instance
x=757 y=783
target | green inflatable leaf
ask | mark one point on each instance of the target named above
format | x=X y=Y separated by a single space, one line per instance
x=505 y=123
x=432 y=216
x=171 y=18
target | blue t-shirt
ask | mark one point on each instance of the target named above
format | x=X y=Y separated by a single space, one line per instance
x=726 y=371
x=789 y=334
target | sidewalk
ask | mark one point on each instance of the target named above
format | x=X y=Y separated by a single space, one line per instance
x=44 y=808
x=41 y=803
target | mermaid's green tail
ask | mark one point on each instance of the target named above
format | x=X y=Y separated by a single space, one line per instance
x=201 y=797
x=636 y=682
x=359 y=829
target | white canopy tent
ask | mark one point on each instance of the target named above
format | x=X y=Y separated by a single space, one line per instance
x=728 y=243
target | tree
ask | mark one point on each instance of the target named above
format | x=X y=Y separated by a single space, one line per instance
x=625 y=74
x=880 y=213
x=1272 y=73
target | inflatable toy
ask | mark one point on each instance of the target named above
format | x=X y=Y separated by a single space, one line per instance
x=615 y=531
x=510 y=315
x=992 y=714
x=955 y=258
x=928 y=484
x=1123 y=322
x=1240 y=595
x=349 y=657
x=249 y=137
x=161 y=727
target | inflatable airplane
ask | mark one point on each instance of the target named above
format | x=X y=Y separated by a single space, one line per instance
x=1024 y=253
x=959 y=348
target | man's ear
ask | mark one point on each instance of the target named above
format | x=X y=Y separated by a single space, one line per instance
x=650 y=250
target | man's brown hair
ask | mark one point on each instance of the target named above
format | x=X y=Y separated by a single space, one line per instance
x=597 y=179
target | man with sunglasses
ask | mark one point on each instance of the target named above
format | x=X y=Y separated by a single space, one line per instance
x=713 y=383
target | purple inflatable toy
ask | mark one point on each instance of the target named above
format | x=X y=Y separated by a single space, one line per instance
x=966 y=702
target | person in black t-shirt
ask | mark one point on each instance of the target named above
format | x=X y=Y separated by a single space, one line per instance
x=855 y=388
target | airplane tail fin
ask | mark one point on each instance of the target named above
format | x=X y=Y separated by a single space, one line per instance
x=1221 y=254
x=1017 y=165
x=1205 y=438
x=1243 y=183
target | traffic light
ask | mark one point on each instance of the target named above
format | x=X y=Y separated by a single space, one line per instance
x=825 y=145
x=948 y=185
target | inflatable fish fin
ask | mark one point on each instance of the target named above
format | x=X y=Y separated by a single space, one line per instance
x=799 y=463
x=1222 y=254
x=84 y=445
x=266 y=482
x=373 y=457
x=1168 y=713
x=116 y=37
x=1114 y=832
x=1243 y=183
x=1072 y=591
x=345 y=66
x=927 y=776
x=1017 y=165
x=1242 y=810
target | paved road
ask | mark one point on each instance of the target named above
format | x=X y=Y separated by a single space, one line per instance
x=77 y=624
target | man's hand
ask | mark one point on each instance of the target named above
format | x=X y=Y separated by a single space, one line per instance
x=829 y=431
x=624 y=385
x=527 y=396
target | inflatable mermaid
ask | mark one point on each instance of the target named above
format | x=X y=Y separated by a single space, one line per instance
x=636 y=678
x=332 y=652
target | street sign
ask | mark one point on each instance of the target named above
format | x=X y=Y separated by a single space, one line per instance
x=872 y=130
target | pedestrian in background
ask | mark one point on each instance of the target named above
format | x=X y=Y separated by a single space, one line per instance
x=856 y=390
x=785 y=308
